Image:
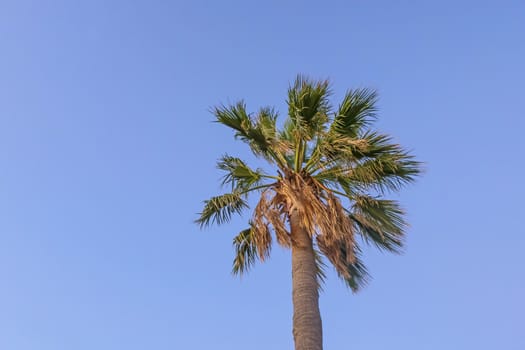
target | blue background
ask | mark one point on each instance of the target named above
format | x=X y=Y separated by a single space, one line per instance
x=107 y=149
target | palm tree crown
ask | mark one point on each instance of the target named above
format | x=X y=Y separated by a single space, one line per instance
x=331 y=170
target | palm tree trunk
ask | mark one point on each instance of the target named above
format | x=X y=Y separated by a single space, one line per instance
x=307 y=327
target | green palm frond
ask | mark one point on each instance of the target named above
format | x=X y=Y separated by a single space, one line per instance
x=287 y=131
x=258 y=132
x=379 y=221
x=378 y=144
x=220 y=209
x=265 y=139
x=358 y=275
x=245 y=252
x=371 y=162
x=261 y=135
x=335 y=150
x=358 y=110
x=348 y=265
x=238 y=174
x=235 y=117
x=265 y=121
x=386 y=172
x=308 y=106
x=287 y=135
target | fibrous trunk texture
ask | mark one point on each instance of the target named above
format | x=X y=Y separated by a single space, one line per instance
x=307 y=327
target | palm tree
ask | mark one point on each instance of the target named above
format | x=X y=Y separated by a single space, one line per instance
x=325 y=197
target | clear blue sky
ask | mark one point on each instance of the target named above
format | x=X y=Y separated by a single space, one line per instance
x=107 y=150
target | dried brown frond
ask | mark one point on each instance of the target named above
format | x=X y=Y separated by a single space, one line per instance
x=300 y=197
x=321 y=214
x=276 y=216
x=270 y=213
x=261 y=232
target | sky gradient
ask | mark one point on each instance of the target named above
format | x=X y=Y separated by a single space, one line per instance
x=107 y=150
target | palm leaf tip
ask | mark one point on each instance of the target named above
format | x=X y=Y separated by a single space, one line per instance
x=385 y=168
x=245 y=252
x=357 y=111
x=221 y=208
x=233 y=116
x=258 y=131
x=238 y=173
x=308 y=105
x=380 y=222
x=347 y=263
x=358 y=276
